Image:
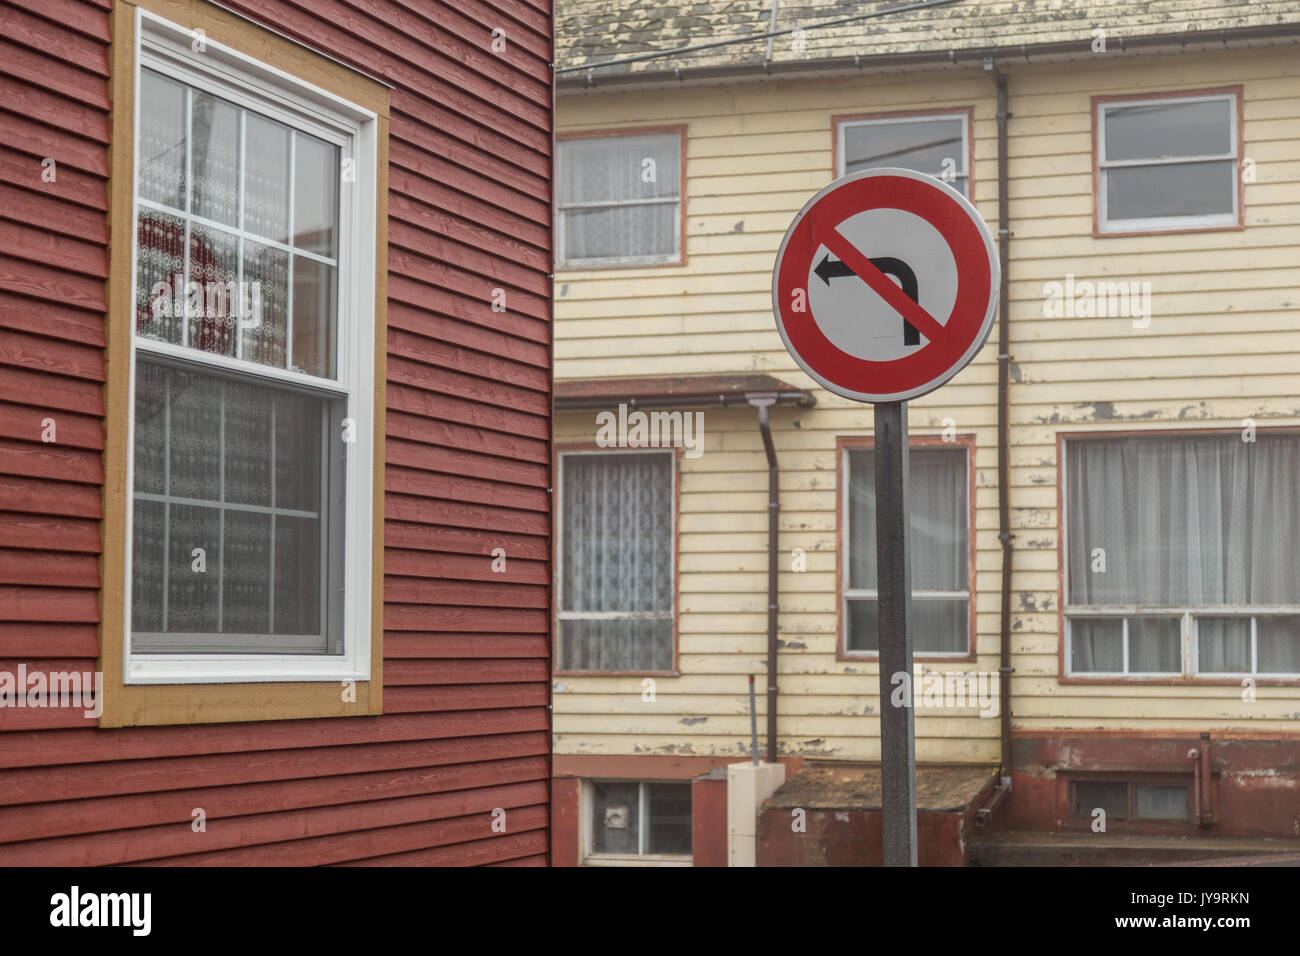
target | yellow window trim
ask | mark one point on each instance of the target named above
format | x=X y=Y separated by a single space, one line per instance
x=139 y=705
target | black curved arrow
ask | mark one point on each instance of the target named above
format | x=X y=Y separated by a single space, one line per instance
x=829 y=269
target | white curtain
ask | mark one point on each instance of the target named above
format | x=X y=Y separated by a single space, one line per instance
x=613 y=169
x=938 y=519
x=1197 y=521
x=617 y=554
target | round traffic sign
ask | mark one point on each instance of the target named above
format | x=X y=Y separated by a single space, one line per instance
x=885 y=285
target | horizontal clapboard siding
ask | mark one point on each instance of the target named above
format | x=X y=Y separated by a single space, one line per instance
x=1223 y=345
x=467 y=469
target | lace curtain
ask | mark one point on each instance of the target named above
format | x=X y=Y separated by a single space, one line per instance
x=609 y=170
x=617 y=554
x=232 y=469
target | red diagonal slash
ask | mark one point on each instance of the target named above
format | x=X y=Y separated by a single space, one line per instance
x=880 y=283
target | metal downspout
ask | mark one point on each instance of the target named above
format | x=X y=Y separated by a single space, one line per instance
x=762 y=403
x=1004 y=431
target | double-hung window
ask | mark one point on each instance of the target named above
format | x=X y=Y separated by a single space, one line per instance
x=935 y=144
x=615 y=597
x=252 y=372
x=1181 y=555
x=939 y=523
x=1167 y=163
x=619 y=200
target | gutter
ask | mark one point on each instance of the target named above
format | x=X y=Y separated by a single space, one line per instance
x=576 y=79
x=801 y=398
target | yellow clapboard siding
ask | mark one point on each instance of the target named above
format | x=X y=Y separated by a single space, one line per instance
x=1222 y=344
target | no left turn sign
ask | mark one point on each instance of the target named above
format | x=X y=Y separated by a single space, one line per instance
x=885 y=285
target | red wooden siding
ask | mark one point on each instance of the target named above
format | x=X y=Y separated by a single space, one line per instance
x=466 y=726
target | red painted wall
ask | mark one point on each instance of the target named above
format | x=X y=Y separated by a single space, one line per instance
x=466 y=673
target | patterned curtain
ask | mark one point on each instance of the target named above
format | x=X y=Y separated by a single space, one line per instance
x=617 y=562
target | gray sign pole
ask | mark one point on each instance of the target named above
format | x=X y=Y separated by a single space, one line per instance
x=894 y=607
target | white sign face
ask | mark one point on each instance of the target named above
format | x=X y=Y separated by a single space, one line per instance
x=885 y=285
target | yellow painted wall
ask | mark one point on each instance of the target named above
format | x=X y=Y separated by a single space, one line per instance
x=1224 y=344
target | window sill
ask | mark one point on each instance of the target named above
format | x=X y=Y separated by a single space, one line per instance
x=633 y=859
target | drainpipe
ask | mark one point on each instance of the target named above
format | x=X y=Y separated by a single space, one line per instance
x=1004 y=414
x=762 y=401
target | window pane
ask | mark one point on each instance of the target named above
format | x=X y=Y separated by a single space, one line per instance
x=1090 y=795
x=1177 y=189
x=1172 y=129
x=213 y=277
x=1159 y=803
x=266 y=178
x=621 y=231
x=1223 y=645
x=669 y=826
x=1200 y=521
x=613 y=168
x=246 y=573
x=1279 y=644
x=214 y=162
x=265 y=322
x=938 y=517
x=297 y=575
x=615 y=817
x=297 y=451
x=160 y=276
x=148 y=550
x=248 y=447
x=939 y=626
x=1096 y=645
x=1154 y=645
x=926 y=145
x=616 y=645
x=193 y=588
x=161 y=114
x=214 y=454
x=315 y=194
x=313 y=317
x=864 y=625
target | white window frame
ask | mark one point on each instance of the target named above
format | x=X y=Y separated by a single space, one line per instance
x=1189 y=615
x=165 y=47
x=874 y=593
x=563 y=615
x=1166 y=223
x=587 y=804
x=841 y=136
x=599 y=262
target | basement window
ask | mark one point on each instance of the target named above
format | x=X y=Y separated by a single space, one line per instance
x=639 y=821
x=1131 y=800
x=1167 y=163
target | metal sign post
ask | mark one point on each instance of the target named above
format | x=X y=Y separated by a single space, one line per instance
x=885 y=287
x=894 y=613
